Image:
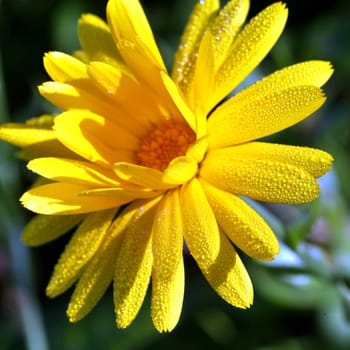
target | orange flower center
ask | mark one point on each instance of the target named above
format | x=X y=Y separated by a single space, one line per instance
x=166 y=142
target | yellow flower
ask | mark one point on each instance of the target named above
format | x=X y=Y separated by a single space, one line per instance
x=142 y=160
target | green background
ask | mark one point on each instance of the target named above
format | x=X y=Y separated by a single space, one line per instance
x=302 y=300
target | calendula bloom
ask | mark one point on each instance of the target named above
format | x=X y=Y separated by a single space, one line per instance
x=142 y=161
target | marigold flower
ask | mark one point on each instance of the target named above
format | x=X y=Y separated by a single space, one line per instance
x=140 y=160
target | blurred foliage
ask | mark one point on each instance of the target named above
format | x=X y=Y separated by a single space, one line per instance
x=302 y=298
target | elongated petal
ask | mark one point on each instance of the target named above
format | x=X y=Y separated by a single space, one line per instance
x=66 y=96
x=186 y=54
x=93 y=137
x=96 y=40
x=134 y=264
x=141 y=176
x=99 y=272
x=36 y=140
x=225 y=27
x=128 y=21
x=23 y=135
x=73 y=171
x=201 y=231
x=45 y=228
x=248 y=49
x=125 y=90
x=203 y=83
x=80 y=249
x=265 y=116
x=314 y=73
x=168 y=271
x=198 y=149
x=180 y=170
x=63 y=198
x=265 y=180
x=243 y=226
x=314 y=161
x=228 y=276
x=64 y=68
x=179 y=101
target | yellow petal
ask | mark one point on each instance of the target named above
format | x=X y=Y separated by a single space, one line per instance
x=134 y=264
x=198 y=149
x=64 y=68
x=125 y=90
x=250 y=46
x=315 y=73
x=45 y=228
x=201 y=231
x=73 y=171
x=203 y=83
x=94 y=137
x=261 y=179
x=67 y=97
x=179 y=101
x=99 y=272
x=63 y=198
x=23 y=135
x=149 y=74
x=35 y=137
x=243 y=226
x=272 y=113
x=225 y=27
x=96 y=40
x=185 y=56
x=132 y=192
x=80 y=249
x=228 y=276
x=128 y=21
x=168 y=271
x=314 y=161
x=141 y=176
x=180 y=170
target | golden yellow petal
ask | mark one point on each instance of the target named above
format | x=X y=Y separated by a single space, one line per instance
x=23 y=135
x=185 y=56
x=95 y=138
x=125 y=90
x=99 y=272
x=225 y=27
x=141 y=176
x=35 y=137
x=179 y=101
x=80 y=249
x=45 y=228
x=250 y=46
x=203 y=83
x=134 y=264
x=128 y=21
x=67 y=97
x=126 y=190
x=149 y=75
x=198 y=149
x=265 y=180
x=201 y=231
x=314 y=161
x=168 y=271
x=73 y=171
x=272 y=113
x=64 y=68
x=96 y=40
x=243 y=225
x=315 y=73
x=180 y=170
x=228 y=276
x=63 y=199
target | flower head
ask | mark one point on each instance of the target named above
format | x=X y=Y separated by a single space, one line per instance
x=142 y=160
